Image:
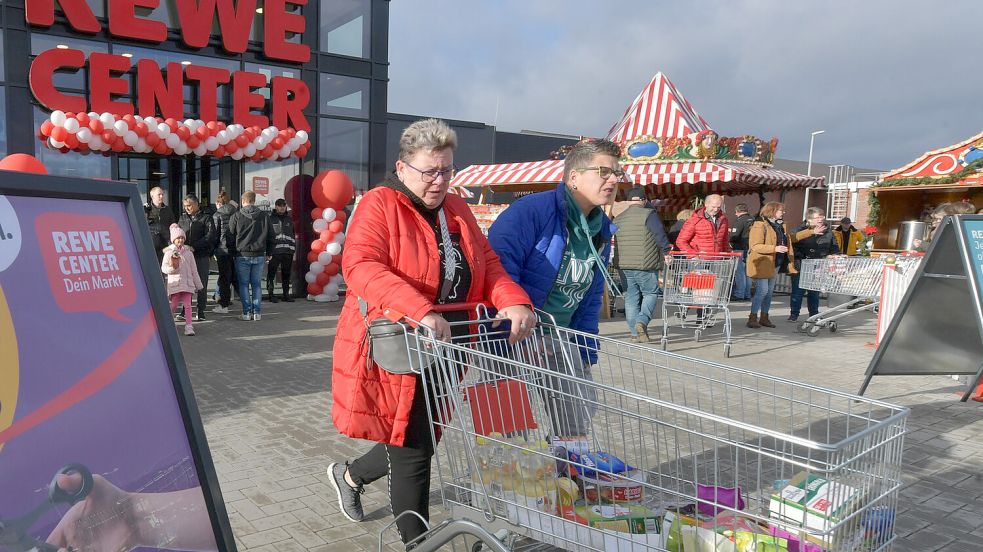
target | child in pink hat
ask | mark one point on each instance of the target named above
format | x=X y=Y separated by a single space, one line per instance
x=182 y=275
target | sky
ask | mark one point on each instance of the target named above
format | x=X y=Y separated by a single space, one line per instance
x=887 y=81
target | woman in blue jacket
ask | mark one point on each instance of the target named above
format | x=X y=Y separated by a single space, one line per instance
x=557 y=245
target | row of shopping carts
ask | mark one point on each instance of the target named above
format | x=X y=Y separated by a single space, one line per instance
x=585 y=443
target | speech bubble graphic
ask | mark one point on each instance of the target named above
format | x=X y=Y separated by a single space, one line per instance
x=10 y=234
x=87 y=265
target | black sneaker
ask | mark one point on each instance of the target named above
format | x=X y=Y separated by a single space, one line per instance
x=349 y=499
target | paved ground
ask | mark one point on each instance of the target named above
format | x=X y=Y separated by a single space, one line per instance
x=263 y=389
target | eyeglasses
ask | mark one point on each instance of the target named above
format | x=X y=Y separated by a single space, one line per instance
x=433 y=174
x=605 y=172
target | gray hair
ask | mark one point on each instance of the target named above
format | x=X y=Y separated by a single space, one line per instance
x=426 y=135
x=582 y=155
x=813 y=211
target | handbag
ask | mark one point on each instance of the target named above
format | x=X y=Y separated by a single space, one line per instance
x=388 y=342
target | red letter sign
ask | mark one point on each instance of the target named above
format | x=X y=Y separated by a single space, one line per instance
x=244 y=100
x=152 y=92
x=196 y=17
x=80 y=17
x=124 y=22
x=104 y=85
x=289 y=111
x=277 y=21
x=42 y=71
x=208 y=78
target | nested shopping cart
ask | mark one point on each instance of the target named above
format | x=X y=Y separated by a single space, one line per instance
x=697 y=293
x=694 y=450
x=858 y=278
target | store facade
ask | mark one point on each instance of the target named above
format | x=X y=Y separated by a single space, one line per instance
x=320 y=66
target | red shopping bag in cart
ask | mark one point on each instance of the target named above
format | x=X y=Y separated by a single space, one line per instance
x=699 y=280
x=501 y=406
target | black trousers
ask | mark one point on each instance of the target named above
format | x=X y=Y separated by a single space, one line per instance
x=283 y=261
x=202 y=264
x=226 y=279
x=408 y=468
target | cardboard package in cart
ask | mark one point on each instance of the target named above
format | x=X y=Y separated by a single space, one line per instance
x=578 y=537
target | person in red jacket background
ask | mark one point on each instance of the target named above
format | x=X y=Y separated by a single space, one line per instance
x=706 y=231
x=409 y=246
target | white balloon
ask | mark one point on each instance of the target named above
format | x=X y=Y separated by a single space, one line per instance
x=223 y=137
x=334 y=248
x=93 y=115
x=142 y=145
x=84 y=135
x=317 y=267
x=211 y=143
x=172 y=140
x=237 y=155
x=331 y=289
x=324 y=258
x=274 y=130
x=339 y=238
x=163 y=130
x=58 y=117
x=293 y=144
x=284 y=152
x=329 y=214
x=320 y=225
x=72 y=125
x=310 y=277
x=250 y=150
x=107 y=119
x=336 y=279
x=322 y=298
x=201 y=150
x=120 y=128
x=95 y=142
x=55 y=143
x=302 y=136
x=130 y=138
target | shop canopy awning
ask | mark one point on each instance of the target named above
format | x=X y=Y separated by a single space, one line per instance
x=667 y=147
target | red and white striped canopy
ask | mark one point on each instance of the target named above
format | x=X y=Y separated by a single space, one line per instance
x=663 y=179
x=660 y=111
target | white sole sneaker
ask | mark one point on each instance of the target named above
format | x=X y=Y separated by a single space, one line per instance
x=246 y=317
x=257 y=316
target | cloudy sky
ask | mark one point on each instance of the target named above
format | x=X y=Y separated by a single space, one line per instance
x=886 y=80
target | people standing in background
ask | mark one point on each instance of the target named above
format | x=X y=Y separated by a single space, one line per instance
x=182 y=275
x=811 y=240
x=769 y=254
x=739 y=243
x=848 y=239
x=681 y=218
x=284 y=247
x=706 y=231
x=224 y=252
x=249 y=229
x=640 y=249
x=160 y=217
x=200 y=229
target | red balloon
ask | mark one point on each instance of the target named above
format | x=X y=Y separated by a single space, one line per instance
x=211 y=125
x=336 y=226
x=341 y=216
x=326 y=236
x=318 y=246
x=311 y=256
x=59 y=133
x=22 y=162
x=46 y=128
x=183 y=133
x=268 y=151
x=332 y=268
x=231 y=147
x=119 y=146
x=108 y=137
x=83 y=119
x=171 y=123
x=95 y=125
x=141 y=129
x=152 y=139
x=277 y=143
x=323 y=278
x=161 y=148
x=219 y=151
x=202 y=132
x=316 y=213
x=71 y=142
x=314 y=289
x=332 y=188
x=193 y=141
x=130 y=121
x=242 y=141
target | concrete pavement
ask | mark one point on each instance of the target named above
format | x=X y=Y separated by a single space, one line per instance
x=263 y=389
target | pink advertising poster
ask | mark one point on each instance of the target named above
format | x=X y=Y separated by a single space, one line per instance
x=101 y=446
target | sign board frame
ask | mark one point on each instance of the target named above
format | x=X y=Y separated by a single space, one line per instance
x=938 y=327
x=144 y=271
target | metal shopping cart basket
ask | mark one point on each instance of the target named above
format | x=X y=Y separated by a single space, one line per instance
x=702 y=282
x=856 y=277
x=586 y=443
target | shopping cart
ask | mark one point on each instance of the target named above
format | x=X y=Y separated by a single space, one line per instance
x=693 y=451
x=859 y=278
x=702 y=282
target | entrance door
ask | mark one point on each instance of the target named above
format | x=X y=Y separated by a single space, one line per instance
x=180 y=176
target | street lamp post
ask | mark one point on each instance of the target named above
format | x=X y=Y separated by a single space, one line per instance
x=812 y=142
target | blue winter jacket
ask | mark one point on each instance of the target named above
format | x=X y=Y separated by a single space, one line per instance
x=531 y=236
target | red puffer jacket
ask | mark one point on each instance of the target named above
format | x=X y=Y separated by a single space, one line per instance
x=699 y=236
x=391 y=260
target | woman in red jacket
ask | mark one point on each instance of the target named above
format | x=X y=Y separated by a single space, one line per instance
x=409 y=246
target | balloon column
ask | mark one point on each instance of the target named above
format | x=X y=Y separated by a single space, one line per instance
x=331 y=192
x=106 y=133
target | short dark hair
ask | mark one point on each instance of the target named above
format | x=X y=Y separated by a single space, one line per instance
x=280 y=202
x=741 y=208
x=582 y=154
x=191 y=197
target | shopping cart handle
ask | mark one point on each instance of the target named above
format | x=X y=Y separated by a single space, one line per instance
x=459 y=307
x=705 y=255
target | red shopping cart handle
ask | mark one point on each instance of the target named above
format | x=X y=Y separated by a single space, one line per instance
x=706 y=255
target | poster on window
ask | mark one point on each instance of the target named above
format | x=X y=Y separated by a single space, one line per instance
x=101 y=446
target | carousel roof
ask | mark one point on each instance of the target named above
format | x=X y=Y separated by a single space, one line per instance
x=941 y=162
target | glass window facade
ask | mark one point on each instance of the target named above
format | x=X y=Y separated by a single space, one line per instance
x=345 y=96
x=3 y=122
x=344 y=145
x=346 y=27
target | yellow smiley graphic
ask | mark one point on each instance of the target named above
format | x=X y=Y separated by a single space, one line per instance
x=9 y=369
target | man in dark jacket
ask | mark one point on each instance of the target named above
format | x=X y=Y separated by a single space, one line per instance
x=200 y=230
x=284 y=246
x=640 y=246
x=738 y=242
x=160 y=217
x=812 y=240
x=224 y=252
x=249 y=229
